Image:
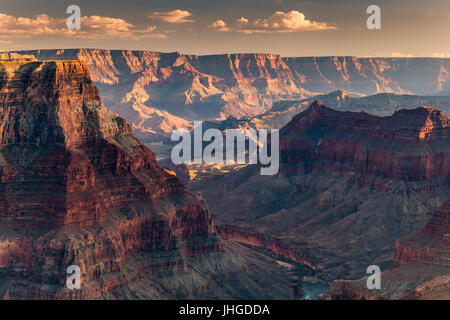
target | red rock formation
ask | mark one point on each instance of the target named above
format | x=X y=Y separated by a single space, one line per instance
x=77 y=188
x=409 y=145
x=429 y=245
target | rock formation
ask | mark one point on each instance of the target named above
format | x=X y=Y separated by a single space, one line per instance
x=350 y=185
x=396 y=147
x=78 y=189
x=420 y=269
x=157 y=91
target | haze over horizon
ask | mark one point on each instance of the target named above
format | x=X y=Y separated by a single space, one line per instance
x=285 y=27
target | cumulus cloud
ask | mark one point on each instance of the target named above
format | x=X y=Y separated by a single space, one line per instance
x=92 y=27
x=220 y=26
x=175 y=16
x=19 y=27
x=279 y=22
x=96 y=27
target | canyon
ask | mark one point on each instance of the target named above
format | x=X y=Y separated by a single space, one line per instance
x=420 y=268
x=350 y=185
x=358 y=183
x=159 y=92
x=79 y=189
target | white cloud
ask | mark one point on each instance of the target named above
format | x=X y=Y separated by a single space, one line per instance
x=220 y=26
x=175 y=16
x=96 y=27
x=20 y=27
x=92 y=27
x=279 y=22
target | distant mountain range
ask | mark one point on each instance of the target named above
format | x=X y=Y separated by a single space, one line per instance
x=381 y=104
x=158 y=92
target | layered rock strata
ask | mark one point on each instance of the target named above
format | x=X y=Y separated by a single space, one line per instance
x=349 y=186
x=157 y=92
x=78 y=189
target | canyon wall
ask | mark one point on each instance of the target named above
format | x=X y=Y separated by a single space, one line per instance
x=157 y=92
x=397 y=146
x=349 y=186
x=78 y=189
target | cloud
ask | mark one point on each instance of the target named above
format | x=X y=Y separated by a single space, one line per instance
x=279 y=22
x=92 y=27
x=175 y=16
x=96 y=27
x=220 y=26
x=19 y=27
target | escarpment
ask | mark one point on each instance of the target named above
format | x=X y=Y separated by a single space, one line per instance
x=78 y=189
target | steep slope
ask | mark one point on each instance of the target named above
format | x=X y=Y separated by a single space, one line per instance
x=135 y=83
x=350 y=184
x=420 y=270
x=78 y=189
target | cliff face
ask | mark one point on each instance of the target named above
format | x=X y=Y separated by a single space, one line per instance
x=349 y=185
x=420 y=268
x=78 y=189
x=397 y=146
x=140 y=85
x=55 y=133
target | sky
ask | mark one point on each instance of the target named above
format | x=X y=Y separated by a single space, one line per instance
x=411 y=28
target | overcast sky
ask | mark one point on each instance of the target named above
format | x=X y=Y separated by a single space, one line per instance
x=286 y=27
